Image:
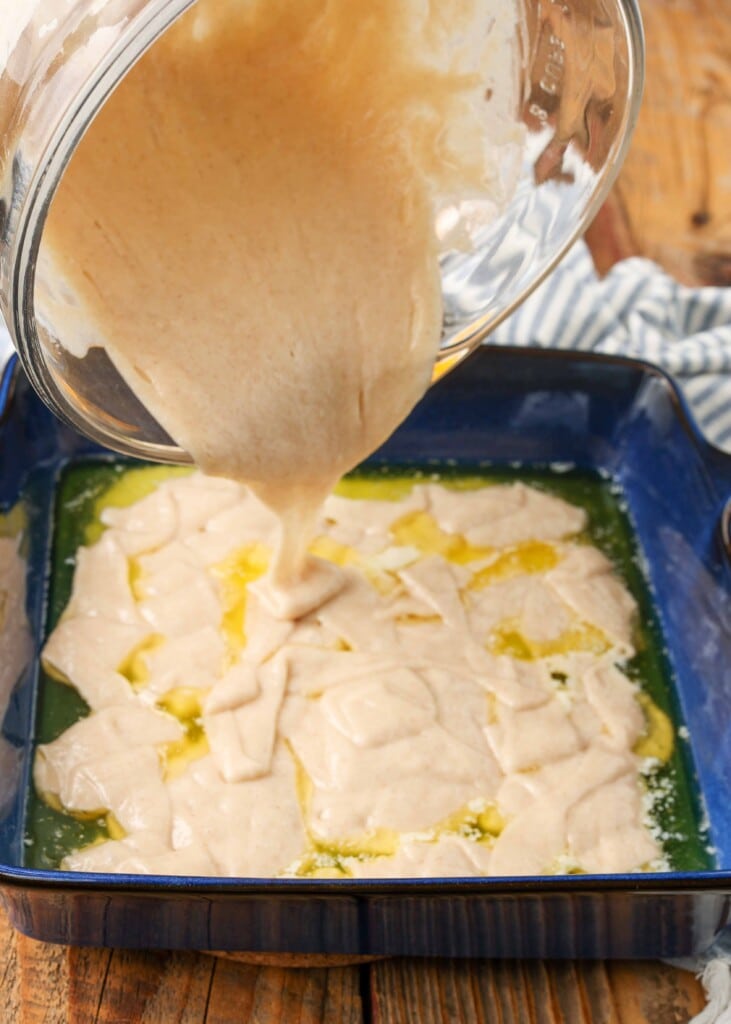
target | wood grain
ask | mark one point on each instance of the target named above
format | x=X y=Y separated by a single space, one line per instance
x=9 y=973
x=674 y=192
x=531 y=992
x=43 y=984
x=126 y=987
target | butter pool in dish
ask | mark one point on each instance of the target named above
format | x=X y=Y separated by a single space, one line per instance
x=459 y=707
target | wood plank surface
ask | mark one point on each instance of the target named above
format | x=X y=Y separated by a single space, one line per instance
x=672 y=201
x=43 y=984
x=9 y=972
x=531 y=992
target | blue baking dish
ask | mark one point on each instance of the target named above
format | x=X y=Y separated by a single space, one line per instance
x=622 y=418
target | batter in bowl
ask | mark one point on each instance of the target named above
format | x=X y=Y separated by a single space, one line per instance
x=249 y=229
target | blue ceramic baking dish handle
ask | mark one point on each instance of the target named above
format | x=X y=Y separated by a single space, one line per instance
x=718 y=464
x=726 y=527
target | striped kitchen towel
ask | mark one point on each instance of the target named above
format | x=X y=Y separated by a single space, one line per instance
x=637 y=310
x=716 y=978
x=714 y=972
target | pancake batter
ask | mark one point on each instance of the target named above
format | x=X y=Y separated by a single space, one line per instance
x=249 y=226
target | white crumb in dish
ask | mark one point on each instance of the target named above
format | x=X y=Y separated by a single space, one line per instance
x=455 y=707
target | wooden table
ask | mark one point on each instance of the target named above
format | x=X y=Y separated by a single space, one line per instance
x=53 y=985
x=672 y=201
x=673 y=204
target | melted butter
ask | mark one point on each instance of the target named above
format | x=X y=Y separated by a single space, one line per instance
x=134 y=668
x=445 y=365
x=479 y=824
x=464 y=482
x=185 y=704
x=110 y=828
x=320 y=865
x=114 y=829
x=529 y=558
x=659 y=739
x=177 y=756
x=325 y=858
x=234 y=574
x=416 y=620
x=421 y=531
x=380 y=842
x=136 y=576
x=583 y=637
x=563 y=865
x=334 y=551
x=367 y=488
x=303 y=786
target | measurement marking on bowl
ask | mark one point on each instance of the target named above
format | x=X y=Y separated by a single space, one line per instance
x=553 y=71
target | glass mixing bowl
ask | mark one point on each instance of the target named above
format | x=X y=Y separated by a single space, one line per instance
x=581 y=69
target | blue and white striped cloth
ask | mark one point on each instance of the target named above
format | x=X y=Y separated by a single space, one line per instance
x=637 y=310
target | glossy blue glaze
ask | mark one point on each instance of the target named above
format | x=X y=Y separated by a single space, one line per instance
x=617 y=416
